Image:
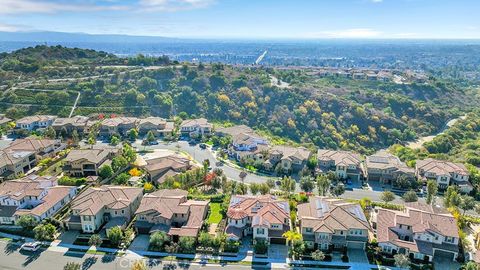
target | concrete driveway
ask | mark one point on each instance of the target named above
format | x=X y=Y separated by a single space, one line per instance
x=140 y=243
x=441 y=263
x=277 y=252
x=68 y=237
x=357 y=255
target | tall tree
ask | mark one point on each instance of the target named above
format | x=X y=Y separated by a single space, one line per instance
x=451 y=197
x=158 y=240
x=432 y=189
x=323 y=185
x=75 y=137
x=287 y=185
x=133 y=134
x=338 y=190
x=115 y=235
x=50 y=133
x=467 y=203
x=254 y=188
x=150 y=136
x=45 y=232
x=307 y=184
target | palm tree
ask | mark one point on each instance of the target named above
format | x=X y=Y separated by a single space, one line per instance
x=291 y=236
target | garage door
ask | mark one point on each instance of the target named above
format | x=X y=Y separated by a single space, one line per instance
x=356 y=245
x=443 y=255
x=280 y=241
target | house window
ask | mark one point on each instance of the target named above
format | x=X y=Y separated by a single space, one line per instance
x=308 y=230
x=260 y=230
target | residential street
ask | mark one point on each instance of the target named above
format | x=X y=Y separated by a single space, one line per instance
x=200 y=155
x=12 y=259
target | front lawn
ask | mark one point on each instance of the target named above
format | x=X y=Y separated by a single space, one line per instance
x=215 y=215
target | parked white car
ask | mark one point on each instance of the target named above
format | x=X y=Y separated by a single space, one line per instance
x=31 y=246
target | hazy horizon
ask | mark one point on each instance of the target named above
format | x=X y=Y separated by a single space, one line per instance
x=247 y=19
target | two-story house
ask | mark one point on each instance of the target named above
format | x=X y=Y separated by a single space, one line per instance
x=262 y=217
x=159 y=126
x=196 y=127
x=421 y=232
x=444 y=172
x=43 y=148
x=15 y=163
x=345 y=165
x=87 y=162
x=288 y=158
x=78 y=123
x=386 y=168
x=170 y=211
x=35 y=122
x=118 y=125
x=22 y=155
x=36 y=196
x=158 y=169
x=105 y=206
x=327 y=223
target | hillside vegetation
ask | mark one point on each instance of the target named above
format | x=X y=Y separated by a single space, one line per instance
x=325 y=112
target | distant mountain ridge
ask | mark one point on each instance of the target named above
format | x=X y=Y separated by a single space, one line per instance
x=45 y=36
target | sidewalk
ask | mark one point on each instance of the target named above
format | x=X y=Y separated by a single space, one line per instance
x=56 y=246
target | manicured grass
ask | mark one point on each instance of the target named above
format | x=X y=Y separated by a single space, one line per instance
x=96 y=252
x=55 y=169
x=215 y=215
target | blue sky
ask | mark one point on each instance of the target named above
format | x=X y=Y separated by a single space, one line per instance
x=248 y=18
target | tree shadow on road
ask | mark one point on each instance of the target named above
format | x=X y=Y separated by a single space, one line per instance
x=31 y=257
x=11 y=247
x=89 y=263
x=108 y=258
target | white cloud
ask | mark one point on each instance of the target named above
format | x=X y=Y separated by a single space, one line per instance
x=376 y=1
x=173 y=5
x=49 y=6
x=4 y=27
x=347 y=33
x=41 y=6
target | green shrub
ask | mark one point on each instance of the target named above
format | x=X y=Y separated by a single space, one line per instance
x=71 y=181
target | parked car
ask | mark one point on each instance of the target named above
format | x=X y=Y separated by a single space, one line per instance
x=154 y=142
x=31 y=246
x=203 y=146
x=192 y=142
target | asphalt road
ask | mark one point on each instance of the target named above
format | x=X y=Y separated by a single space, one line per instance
x=200 y=155
x=13 y=259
